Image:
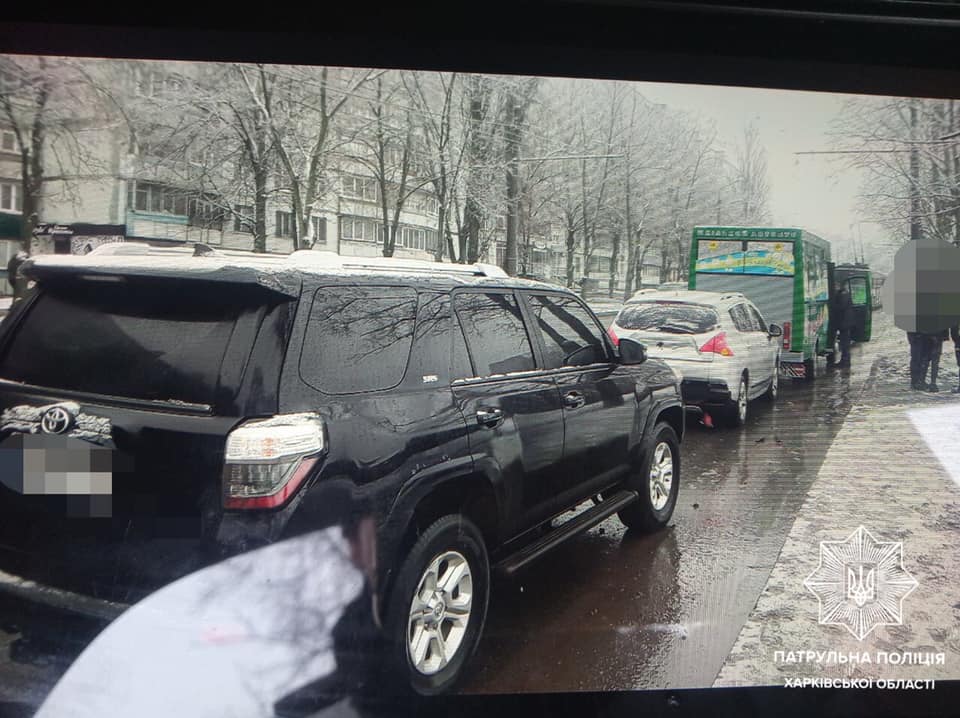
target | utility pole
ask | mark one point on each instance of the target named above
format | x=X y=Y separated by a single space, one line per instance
x=915 y=222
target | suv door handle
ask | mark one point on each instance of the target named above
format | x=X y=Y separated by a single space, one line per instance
x=490 y=417
x=573 y=400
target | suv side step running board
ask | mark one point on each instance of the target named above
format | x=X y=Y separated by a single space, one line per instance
x=567 y=530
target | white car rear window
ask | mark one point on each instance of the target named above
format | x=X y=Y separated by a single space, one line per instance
x=669 y=317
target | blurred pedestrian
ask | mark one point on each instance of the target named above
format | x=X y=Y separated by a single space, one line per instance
x=934 y=350
x=843 y=322
x=918 y=360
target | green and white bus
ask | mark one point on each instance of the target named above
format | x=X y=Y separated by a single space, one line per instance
x=783 y=271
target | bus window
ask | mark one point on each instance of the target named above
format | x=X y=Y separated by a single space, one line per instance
x=858 y=291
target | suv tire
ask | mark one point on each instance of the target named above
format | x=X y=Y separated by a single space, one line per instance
x=657 y=489
x=449 y=555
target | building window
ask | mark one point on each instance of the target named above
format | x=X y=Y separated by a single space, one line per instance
x=11 y=198
x=426 y=204
x=140 y=197
x=8 y=141
x=599 y=264
x=417 y=238
x=243 y=219
x=360 y=187
x=355 y=228
x=159 y=199
x=319 y=229
x=203 y=212
x=284 y=225
x=413 y=238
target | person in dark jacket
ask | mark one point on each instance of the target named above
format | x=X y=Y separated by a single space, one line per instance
x=843 y=322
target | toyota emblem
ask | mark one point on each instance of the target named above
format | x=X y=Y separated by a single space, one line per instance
x=56 y=420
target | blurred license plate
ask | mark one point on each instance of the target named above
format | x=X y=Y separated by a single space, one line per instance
x=52 y=465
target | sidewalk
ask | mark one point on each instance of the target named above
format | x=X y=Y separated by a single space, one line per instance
x=885 y=470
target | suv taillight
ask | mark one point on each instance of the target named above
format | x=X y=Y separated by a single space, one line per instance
x=786 y=335
x=267 y=460
x=718 y=345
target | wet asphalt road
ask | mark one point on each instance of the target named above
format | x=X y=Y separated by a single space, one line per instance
x=609 y=610
x=615 y=611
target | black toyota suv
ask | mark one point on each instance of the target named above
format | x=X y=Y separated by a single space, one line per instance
x=162 y=409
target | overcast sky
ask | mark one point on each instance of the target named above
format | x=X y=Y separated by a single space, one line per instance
x=813 y=192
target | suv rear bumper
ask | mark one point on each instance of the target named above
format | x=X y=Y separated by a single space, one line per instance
x=59 y=598
x=93 y=575
x=701 y=391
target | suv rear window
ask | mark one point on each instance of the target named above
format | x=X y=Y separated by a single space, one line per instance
x=125 y=342
x=358 y=338
x=671 y=317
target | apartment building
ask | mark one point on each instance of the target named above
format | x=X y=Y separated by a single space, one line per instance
x=130 y=190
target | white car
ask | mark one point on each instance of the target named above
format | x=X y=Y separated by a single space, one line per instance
x=719 y=343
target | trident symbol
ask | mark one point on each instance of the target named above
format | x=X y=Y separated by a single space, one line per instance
x=861 y=590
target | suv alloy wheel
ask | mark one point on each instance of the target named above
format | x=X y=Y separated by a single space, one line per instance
x=657 y=482
x=438 y=605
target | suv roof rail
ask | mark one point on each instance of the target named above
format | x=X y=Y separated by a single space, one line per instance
x=134 y=249
x=311 y=258
x=140 y=249
x=732 y=295
x=325 y=258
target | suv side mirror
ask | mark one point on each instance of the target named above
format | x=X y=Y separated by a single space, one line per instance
x=776 y=330
x=632 y=352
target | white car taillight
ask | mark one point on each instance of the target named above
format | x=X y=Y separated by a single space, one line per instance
x=267 y=460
